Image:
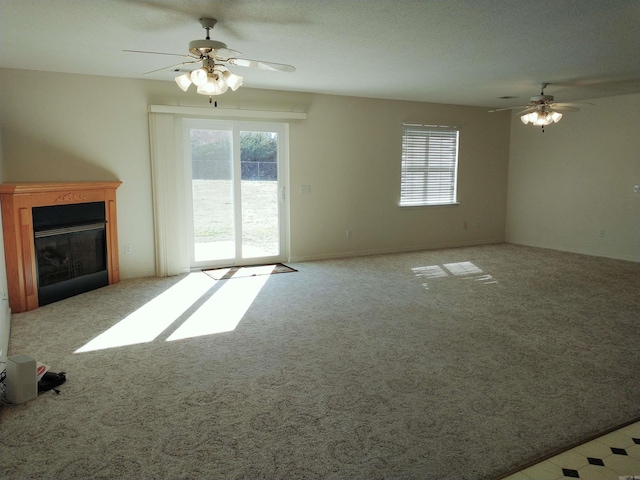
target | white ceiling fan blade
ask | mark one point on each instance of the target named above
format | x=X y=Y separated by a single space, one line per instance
x=560 y=107
x=161 y=53
x=527 y=110
x=223 y=54
x=506 y=108
x=245 y=62
x=170 y=66
x=572 y=104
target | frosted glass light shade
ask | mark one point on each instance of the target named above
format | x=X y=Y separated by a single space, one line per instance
x=234 y=81
x=542 y=119
x=222 y=84
x=184 y=81
x=213 y=86
x=199 y=77
x=209 y=88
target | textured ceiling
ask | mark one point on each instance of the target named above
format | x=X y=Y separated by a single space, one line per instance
x=465 y=52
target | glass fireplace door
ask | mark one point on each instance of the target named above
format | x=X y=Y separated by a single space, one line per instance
x=71 y=250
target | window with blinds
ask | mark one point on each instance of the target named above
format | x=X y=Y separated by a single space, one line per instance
x=429 y=165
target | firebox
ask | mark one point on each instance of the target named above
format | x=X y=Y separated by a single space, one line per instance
x=70 y=249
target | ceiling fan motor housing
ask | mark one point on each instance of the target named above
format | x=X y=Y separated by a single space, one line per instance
x=205 y=47
x=540 y=99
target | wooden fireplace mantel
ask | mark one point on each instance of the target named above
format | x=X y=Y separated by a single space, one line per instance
x=17 y=224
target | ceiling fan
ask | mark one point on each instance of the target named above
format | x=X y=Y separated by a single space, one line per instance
x=542 y=110
x=213 y=77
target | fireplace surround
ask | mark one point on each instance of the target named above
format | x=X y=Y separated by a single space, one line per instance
x=60 y=239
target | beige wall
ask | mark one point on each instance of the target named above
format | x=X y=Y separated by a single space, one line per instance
x=73 y=127
x=574 y=183
x=348 y=151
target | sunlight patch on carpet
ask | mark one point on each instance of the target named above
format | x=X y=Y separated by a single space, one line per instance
x=223 y=311
x=150 y=320
x=462 y=268
x=432 y=271
x=465 y=270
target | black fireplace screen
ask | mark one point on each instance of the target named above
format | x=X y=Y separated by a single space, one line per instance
x=70 y=253
x=71 y=250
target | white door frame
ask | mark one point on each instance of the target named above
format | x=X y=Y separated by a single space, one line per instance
x=236 y=127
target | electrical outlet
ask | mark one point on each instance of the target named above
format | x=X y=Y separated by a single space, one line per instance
x=349 y=234
x=128 y=249
x=602 y=232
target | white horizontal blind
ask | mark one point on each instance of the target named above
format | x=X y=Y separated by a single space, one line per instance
x=429 y=165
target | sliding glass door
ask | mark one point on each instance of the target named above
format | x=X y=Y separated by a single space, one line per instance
x=237 y=192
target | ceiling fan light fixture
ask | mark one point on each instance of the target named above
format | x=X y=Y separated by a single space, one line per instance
x=215 y=80
x=541 y=118
x=184 y=81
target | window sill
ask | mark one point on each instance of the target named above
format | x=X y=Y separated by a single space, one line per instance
x=429 y=206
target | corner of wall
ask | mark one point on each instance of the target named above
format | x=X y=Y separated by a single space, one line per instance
x=5 y=311
x=572 y=188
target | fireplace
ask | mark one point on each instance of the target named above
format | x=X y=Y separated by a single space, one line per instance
x=60 y=240
x=71 y=250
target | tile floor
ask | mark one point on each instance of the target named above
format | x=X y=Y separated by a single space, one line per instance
x=615 y=456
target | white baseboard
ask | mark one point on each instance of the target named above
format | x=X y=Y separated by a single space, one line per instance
x=416 y=248
x=579 y=251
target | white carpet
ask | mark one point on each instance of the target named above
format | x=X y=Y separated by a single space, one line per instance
x=464 y=363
